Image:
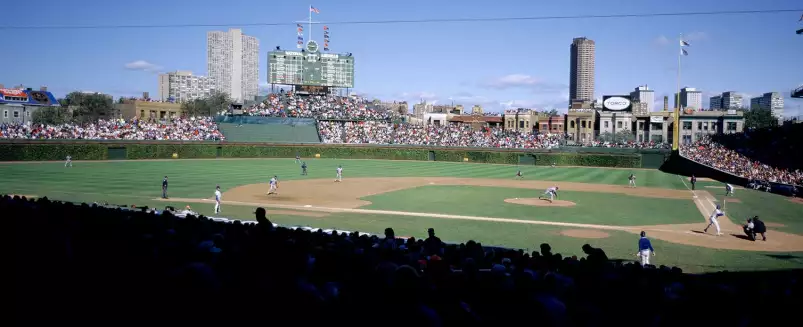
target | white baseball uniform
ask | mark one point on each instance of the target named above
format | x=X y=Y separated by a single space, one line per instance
x=632 y=179
x=728 y=189
x=552 y=191
x=218 y=197
x=339 y=174
x=273 y=183
x=68 y=162
x=713 y=220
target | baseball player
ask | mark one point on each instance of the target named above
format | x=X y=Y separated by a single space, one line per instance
x=728 y=190
x=68 y=163
x=644 y=249
x=298 y=158
x=339 y=174
x=552 y=192
x=632 y=180
x=518 y=175
x=218 y=197
x=164 y=188
x=693 y=181
x=274 y=185
x=303 y=168
x=713 y=220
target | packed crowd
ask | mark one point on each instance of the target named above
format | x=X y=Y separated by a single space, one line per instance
x=91 y=265
x=318 y=106
x=711 y=153
x=179 y=129
x=376 y=132
x=630 y=145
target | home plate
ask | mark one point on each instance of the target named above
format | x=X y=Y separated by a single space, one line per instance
x=308 y=206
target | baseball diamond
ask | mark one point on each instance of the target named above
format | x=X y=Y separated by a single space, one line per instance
x=462 y=200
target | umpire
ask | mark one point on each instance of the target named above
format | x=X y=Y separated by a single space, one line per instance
x=164 y=188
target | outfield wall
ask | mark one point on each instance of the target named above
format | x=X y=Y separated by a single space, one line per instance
x=44 y=150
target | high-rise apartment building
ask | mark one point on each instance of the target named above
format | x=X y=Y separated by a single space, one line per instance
x=689 y=98
x=715 y=102
x=644 y=95
x=182 y=86
x=731 y=100
x=581 y=75
x=772 y=101
x=232 y=59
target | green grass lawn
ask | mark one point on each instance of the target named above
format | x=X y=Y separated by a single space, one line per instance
x=139 y=182
x=591 y=208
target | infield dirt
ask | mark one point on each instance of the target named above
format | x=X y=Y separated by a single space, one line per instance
x=324 y=196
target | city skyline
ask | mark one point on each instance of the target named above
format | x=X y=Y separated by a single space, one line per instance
x=497 y=65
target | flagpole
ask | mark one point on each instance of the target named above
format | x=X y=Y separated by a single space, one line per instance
x=309 y=24
x=676 y=129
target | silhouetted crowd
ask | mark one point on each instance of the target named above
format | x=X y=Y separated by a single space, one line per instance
x=463 y=135
x=711 y=153
x=93 y=265
x=178 y=129
x=318 y=106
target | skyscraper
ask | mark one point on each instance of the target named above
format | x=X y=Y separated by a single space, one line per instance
x=643 y=94
x=232 y=59
x=182 y=86
x=581 y=76
x=772 y=101
x=689 y=98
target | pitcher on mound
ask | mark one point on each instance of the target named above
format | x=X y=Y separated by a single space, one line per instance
x=551 y=193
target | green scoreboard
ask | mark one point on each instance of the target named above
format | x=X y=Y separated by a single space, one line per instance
x=311 y=67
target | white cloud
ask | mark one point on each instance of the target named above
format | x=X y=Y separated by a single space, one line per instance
x=513 y=80
x=661 y=41
x=418 y=96
x=142 y=65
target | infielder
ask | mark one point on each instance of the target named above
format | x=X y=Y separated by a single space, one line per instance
x=303 y=168
x=218 y=197
x=644 y=249
x=713 y=220
x=632 y=180
x=68 y=163
x=728 y=190
x=274 y=185
x=552 y=192
x=518 y=175
x=298 y=158
x=339 y=177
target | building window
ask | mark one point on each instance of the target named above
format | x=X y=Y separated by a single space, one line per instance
x=687 y=125
x=5 y=113
x=521 y=124
x=583 y=124
x=606 y=124
x=16 y=114
x=699 y=125
x=619 y=124
x=705 y=126
x=572 y=124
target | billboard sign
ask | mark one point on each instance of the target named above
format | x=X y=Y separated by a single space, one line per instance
x=617 y=103
x=656 y=119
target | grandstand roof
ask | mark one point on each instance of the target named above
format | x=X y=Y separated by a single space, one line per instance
x=27 y=97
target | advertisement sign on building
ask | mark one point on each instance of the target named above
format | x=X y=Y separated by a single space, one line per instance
x=617 y=103
x=656 y=119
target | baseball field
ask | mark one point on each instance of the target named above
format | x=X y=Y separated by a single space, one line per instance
x=462 y=201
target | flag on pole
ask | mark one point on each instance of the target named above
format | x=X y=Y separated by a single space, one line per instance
x=325 y=28
x=683 y=52
x=801 y=18
x=315 y=10
x=684 y=43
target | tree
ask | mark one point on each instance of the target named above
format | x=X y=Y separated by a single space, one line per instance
x=624 y=136
x=51 y=115
x=90 y=106
x=552 y=112
x=759 y=119
x=207 y=106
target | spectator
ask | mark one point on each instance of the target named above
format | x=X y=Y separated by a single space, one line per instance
x=179 y=129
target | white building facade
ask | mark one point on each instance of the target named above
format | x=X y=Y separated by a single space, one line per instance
x=232 y=60
x=183 y=86
x=772 y=101
x=690 y=98
x=644 y=95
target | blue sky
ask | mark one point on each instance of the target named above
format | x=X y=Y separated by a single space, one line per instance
x=495 y=64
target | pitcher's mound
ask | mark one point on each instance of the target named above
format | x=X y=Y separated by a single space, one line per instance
x=584 y=233
x=541 y=203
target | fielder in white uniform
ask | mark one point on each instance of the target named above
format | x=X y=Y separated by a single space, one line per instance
x=552 y=192
x=274 y=184
x=713 y=220
x=339 y=177
x=728 y=190
x=632 y=180
x=68 y=163
x=218 y=197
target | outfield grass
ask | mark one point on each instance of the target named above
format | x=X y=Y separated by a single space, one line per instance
x=591 y=208
x=139 y=182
